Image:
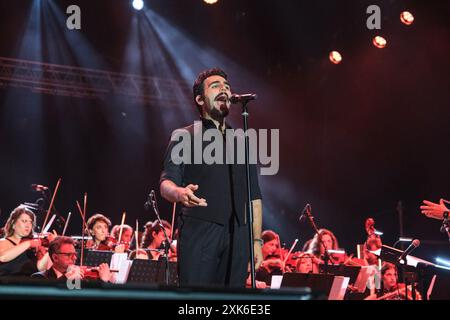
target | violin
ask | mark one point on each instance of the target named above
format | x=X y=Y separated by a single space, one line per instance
x=112 y=243
x=44 y=239
x=401 y=292
x=85 y=272
x=92 y=273
x=273 y=264
x=104 y=245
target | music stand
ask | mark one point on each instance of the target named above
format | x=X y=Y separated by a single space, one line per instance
x=94 y=258
x=351 y=272
x=333 y=287
x=435 y=281
x=150 y=271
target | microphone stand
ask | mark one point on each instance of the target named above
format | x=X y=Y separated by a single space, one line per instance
x=249 y=210
x=310 y=217
x=152 y=199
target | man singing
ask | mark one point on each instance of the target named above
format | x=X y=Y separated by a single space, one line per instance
x=213 y=247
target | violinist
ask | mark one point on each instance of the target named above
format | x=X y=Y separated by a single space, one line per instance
x=390 y=288
x=272 y=263
x=62 y=252
x=98 y=227
x=325 y=239
x=307 y=263
x=153 y=238
x=125 y=239
x=20 y=254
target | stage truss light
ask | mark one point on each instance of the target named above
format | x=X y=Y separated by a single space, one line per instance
x=138 y=4
x=335 y=57
x=379 y=42
x=407 y=18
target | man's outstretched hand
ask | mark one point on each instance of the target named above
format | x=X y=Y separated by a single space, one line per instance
x=434 y=210
x=187 y=197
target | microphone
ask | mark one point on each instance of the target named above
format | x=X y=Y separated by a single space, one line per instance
x=408 y=250
x=148 y=203
x=305 y=211
x=152 y=196
x=246 y=97
x=38 y=187
x=151 y=200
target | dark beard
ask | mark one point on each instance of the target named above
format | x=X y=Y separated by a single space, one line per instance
x=219 y=114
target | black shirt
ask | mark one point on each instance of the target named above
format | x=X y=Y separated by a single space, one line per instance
x=222 y=185
x=50 y=274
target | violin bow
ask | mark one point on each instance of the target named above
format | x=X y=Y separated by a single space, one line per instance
x=66 y=224
x=121 y=227
x=51 y=205
x=290 y=251
x=174 y=209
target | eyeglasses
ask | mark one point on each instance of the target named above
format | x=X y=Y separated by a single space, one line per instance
x=68 y=254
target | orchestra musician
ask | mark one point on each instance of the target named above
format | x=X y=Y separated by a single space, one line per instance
x=390 y=288
x=98 y=227
x=272 y=263
x=125 y=239
x=63 y=255
x=153 y=238
x=324 y=239
x=307 y=263
x=20 y=253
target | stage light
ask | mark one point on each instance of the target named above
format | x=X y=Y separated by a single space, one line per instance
x=405 y=239
x=443 y=262
x=138 y=4
x=407 y=18
x=335 y=57
x=379 y=42
x=210 y=1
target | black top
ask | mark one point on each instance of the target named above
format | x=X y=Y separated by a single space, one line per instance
x=50 y=274
x=222 y=185
x=24 y=264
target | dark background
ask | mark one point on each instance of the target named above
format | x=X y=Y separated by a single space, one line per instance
x=355 y=138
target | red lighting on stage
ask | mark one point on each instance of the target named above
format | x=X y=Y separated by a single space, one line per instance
x=407 y=18
x=335 y=57
x=379 y=42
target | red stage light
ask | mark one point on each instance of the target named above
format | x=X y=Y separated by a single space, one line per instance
x=407 y=18
x=379 y=42
x=335 y=57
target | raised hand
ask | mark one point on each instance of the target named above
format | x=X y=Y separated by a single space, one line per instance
x=434 y=210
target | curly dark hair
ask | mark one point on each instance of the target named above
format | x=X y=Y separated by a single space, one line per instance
x=198 y=88
x=95 y=218
x=150 y=227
